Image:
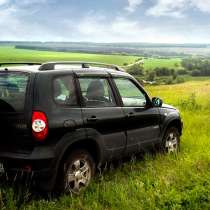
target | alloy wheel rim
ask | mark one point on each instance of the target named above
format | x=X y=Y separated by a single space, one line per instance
x=172 y=143
x=78 y=176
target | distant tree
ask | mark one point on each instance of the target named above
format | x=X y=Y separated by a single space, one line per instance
x=180 y=80
x=197 y=66
x=136 y=69
x=176 y=64
x=188 y=64
x=138 y=59
x=163 y=71
x=191 y=64
x=196 y=73
x=182 y=72
x=169 y=81
x=174 y=76
x=151 y=76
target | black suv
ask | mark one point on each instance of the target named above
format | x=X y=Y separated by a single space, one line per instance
x=59 y=121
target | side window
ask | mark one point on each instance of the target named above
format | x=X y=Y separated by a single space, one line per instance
x=64 y=91
x=96 y=92
x=131 y=95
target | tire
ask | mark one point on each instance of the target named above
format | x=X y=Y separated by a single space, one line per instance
x=171 y=141
x=76 y=172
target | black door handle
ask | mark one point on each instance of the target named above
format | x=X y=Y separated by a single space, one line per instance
x=130 y=115
x=92 y=119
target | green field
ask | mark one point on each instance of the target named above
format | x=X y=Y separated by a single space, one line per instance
x=158 y=182
x=10 y=54
x=152 y=63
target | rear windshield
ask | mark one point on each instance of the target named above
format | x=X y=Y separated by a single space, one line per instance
x=12 y=91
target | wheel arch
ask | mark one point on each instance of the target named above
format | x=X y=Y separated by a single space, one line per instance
x=174 y=123
x=87 y=144
x=90 y=145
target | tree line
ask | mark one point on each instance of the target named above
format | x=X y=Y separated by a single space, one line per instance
x=189 y=66
x=197 y=66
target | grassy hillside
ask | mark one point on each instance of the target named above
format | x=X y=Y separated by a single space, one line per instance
x=160 y=182
x=10 y=54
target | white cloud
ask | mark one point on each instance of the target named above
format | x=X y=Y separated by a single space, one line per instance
x=202 y=5
x=122 y=29
x=177 y=8
x=30 y=2
x=14 y=20
x=18 y=3
x=16 y=29
x=133 y=5
x=173 y=8
x=96 y=29
x=2 y=2
x=18 y=23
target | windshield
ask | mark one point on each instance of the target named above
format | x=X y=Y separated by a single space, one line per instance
x=12 y=91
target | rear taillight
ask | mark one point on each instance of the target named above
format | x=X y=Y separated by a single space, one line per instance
x=39 y=125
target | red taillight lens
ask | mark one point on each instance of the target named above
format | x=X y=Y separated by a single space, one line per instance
x=39 y=125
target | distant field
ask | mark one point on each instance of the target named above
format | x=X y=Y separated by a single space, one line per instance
x=10 y=54
x=152 y=63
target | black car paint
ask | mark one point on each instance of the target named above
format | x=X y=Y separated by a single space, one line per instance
x=112 y=132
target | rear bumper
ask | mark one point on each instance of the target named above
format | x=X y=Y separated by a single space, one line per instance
x=38 y=153
x=38 y=164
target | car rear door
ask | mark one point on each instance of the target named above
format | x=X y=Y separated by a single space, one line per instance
x=57 y=98
x=14 y=103
x=142 y=120
x=102 y=116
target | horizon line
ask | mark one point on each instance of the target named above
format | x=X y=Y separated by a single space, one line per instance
x=153 y=43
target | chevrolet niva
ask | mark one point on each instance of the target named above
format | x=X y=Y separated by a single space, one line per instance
x=61 y=120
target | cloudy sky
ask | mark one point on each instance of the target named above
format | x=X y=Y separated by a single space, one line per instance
x=157 y=21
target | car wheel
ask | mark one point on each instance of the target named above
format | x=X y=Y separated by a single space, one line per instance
x=171 y=140
x=78 y=170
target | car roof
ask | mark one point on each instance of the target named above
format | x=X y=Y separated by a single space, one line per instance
x=22 y=68
x=63 y=69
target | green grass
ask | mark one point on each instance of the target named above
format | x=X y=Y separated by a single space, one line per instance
x=162 y=182
x=152 y=63
x=10 y=54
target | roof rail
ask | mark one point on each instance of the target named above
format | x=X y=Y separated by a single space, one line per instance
x=19 y=63
x=51 y=65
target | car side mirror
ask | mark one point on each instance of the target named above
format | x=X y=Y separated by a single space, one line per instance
x=157 y=102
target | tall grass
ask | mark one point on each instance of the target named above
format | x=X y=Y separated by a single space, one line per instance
x=155 y=182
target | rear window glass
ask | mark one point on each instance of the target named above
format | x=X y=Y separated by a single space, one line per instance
x=64 y=91
x=12 y=91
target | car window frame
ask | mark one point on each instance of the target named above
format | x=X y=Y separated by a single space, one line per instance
x=109 y=82
x=148 y=101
